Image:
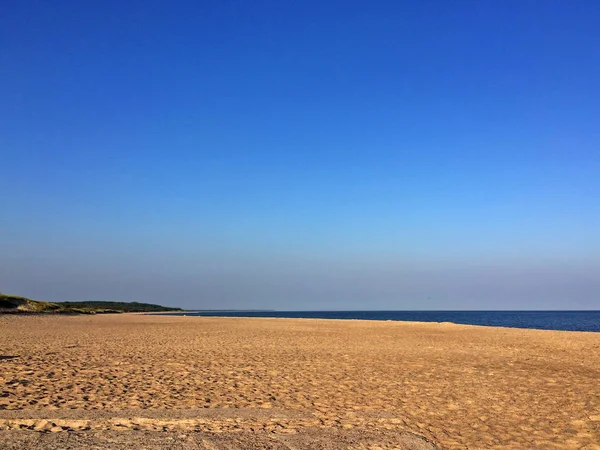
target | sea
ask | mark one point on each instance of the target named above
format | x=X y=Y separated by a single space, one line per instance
x=541 y=320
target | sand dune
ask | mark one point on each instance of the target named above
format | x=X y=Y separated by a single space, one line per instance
x=337 y=383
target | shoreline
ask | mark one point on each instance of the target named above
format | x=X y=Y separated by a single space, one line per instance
x=182 y=314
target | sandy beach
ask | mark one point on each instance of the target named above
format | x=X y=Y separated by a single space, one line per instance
x=283 y=383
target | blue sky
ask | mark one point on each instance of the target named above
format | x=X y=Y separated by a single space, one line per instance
x=302 y=155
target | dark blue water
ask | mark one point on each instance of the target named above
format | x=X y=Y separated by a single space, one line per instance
x=542 y=320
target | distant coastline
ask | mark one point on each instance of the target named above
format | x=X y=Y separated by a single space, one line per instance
x=12 y=304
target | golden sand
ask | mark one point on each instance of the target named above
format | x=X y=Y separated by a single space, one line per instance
x=458 y=386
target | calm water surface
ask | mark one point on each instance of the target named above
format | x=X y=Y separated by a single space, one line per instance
x=542 y=320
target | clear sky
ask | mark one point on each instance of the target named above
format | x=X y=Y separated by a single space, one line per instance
x=302 y=154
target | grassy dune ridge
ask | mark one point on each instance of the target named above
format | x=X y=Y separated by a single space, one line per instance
x=13 y=304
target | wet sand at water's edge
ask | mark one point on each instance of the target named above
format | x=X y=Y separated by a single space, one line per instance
x=199 y=382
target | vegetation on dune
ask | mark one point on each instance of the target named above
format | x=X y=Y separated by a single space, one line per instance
x=13 y=304
x=120 y=306
x=22 y=304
